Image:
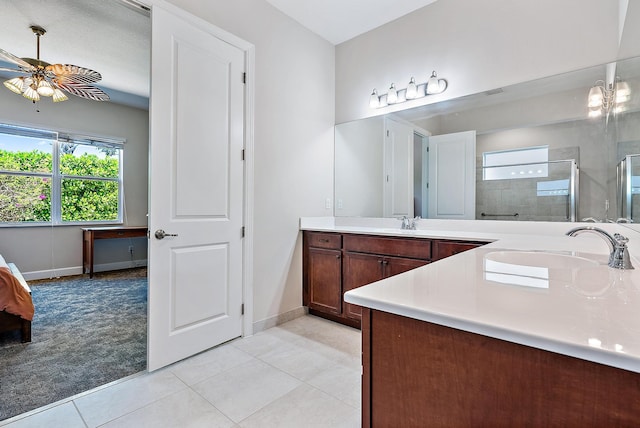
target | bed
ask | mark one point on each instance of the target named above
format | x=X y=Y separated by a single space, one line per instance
x=16 y=305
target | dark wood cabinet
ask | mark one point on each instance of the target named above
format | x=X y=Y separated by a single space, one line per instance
x=369 y=259
x=334 y=263
x=418 y=374
x=443 y=249
x=358 y=270
x=322 y=272
x=325 y=280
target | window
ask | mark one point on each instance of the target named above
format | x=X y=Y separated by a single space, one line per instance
x=514 y=164
x=47 y=177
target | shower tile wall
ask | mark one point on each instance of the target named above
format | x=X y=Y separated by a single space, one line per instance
x=507 y=197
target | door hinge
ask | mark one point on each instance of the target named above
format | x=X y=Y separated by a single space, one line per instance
x=242 y=154
x=427 y=149
x=427 y=185
x=387 y=132
x=244 y=77
x=242 y=309
x=242 y=231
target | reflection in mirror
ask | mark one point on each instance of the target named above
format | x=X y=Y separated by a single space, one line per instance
x=583 y=145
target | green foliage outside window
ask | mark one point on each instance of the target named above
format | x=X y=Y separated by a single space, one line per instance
x=28 y=198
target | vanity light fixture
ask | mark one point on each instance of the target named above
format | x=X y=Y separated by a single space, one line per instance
x=412 y=90
x=392 y=95
x=374 y=99
x=605 y=98
x=434 y=85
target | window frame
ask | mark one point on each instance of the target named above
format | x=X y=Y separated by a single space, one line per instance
x=487 y=164
x=57 y=138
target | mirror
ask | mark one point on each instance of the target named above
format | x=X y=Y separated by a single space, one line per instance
x=378 y=178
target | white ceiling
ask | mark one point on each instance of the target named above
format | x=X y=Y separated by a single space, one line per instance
x=340 y=20
x=112 y=38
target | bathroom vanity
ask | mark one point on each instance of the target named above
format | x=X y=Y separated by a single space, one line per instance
x=334 y=263
x=531 y=329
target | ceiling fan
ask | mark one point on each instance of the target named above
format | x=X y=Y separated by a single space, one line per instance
x=50 y=80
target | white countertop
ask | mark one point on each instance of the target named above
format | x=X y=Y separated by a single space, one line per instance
x=590 y=312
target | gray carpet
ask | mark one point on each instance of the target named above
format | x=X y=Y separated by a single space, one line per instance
x=85 y=333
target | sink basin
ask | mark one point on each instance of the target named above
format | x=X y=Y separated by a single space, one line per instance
x=539 y=269
x=541 y=259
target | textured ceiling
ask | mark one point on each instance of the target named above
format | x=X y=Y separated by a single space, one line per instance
x=103 y=35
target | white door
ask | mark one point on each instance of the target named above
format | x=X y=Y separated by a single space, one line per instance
x=452 y=175
x=196 y=190
x=398 y=170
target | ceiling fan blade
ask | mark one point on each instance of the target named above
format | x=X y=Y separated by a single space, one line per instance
x=67 y=73
x=14 y=59
x=15 y=70
x=83 y=90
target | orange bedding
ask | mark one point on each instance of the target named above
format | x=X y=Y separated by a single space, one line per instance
x=13 y=297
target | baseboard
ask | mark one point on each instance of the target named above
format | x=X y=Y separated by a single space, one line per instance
x=275 y=320
x=77 y=270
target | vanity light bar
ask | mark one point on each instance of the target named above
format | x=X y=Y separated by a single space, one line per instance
x=414 y=90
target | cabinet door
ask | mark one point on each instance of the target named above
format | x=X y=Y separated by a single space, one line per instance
x=395 y=265
x=359 y=269
x=325 y=284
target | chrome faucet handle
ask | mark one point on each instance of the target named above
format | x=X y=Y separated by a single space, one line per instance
x=405 y=222
x=622 y=240
x=620 y=257
x=412 y=225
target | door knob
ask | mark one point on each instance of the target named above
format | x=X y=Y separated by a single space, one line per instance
x=160 y=234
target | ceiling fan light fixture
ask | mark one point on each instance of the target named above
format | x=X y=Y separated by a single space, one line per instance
x=15 y=85
x=45 y=88
x=31 y=93
x=51 y=80
x=59 y=96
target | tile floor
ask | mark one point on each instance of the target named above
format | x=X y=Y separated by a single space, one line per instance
x=305 y=372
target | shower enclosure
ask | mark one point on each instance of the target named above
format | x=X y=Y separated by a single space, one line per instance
x=540 y=191
x=628 y=179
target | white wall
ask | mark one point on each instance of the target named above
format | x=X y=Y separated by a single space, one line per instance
x=40 y=252
x=477 y=46
x=359 y=168
x=294 y=118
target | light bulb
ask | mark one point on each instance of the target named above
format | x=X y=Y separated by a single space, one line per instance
x=623 y=93
x=392 y=95
x=412 y=90
x=374 y=100
x=15 y=85
x=435 y=85
x=45 y=89
x=595 y=97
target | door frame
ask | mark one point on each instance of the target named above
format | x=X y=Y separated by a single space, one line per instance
x=249 y=107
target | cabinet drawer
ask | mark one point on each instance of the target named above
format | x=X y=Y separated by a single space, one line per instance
x=324 y=240
x=415 y=248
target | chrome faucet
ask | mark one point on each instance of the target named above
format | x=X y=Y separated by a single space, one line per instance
x=409 y=223
x=619 y=253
